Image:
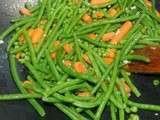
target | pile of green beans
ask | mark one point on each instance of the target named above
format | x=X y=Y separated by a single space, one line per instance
x=51 y=81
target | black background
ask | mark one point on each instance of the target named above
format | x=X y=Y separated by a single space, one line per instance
x=22 y=110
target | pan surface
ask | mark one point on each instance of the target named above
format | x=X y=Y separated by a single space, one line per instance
x=22 y=110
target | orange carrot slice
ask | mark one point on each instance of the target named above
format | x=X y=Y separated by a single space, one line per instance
x=148 y=3
x=25 y=11
x=112 y=12
x=79 y=67
x=67 y=63
x=108 y=60
x=31 y=32
x=56 y=43
x=86 y=58
x=87 y=18
x=99 y=2
x=21 y=39
x=108 y=36
x=110 y=56
x=68 y=48
x=92 y=36
x=121 y=32
x=37 y=35
x=18 y=55
x=158 y=13
x=112 y=53
x=84 y=94
x=99 y=14
x=127 y=88
x=54 y=55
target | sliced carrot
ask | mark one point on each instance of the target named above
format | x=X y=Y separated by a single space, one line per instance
x=25 y=11
x=108 y=36
x=84 y=94
x=126 y=88
x=99 y=14
x=110 y=56
x=148 y=3
x=99 y=2
x=108 y=60
x=87 y=18
x=21 y=39
x=92 y=36
x=53 y=55
x=112 y=53
x=79 y=67
x=31 y=32
x=86 y=58
x=67 y=63
x=121 y=32
x=56 y=43
x=68 y=48
x=18 y=55
x=158 y=13
x=112 y=12
x=37 y=35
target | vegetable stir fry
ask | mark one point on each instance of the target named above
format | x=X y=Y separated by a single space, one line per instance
x=75 y=52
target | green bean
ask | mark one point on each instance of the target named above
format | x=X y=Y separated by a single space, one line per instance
x=73 y=88
x=138 y=58
x=116 y=102
x=71 y=72
x=103 y=31
x=51 y=100
x=52 y=66
x=94 y=64
x=118 y=20
x=63 y=78
x=34 y=8
x=16 y=50
x=18 y=96
x=73 y=23
x=36 y=75
x=98 y=44
x=90 y=113
x=29 y=42
x=67 y=111
x=113 y=112
x=130 y=84
x=102 y=79
x=47 y=27
x=15 y=37
x=13 y=27
x=109 y=89
x=121 y=114
x=84 y=98
x=91 y=104
x=122 y=90
x=41 y=12
x=144 y=106
x=78 y=51
x=23 y=18
x=17 y=80
x=50 y=40
x=61 y=86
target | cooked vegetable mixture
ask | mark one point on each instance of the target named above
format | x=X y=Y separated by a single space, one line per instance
x=75 y=52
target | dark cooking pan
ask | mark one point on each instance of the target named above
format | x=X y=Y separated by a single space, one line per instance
x=21 y=110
